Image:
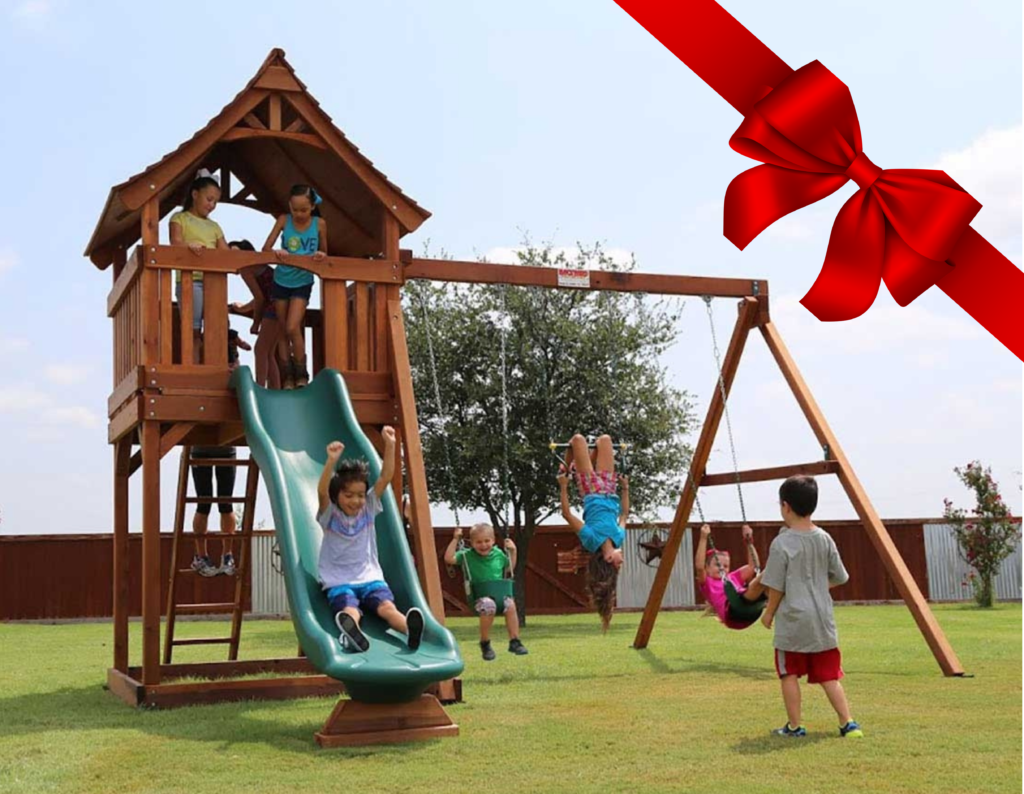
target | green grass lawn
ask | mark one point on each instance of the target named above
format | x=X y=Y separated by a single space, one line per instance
x=582 y=712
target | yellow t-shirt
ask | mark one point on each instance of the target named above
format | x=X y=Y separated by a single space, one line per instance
x=197 y=230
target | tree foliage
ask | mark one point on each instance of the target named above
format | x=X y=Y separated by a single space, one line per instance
x=543 y=363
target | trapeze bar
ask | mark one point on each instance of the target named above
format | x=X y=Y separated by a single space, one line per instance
x=590 y=443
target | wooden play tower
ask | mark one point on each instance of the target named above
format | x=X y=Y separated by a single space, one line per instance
x=271 y=135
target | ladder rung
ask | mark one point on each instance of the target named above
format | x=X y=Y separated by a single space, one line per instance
x=202 y=641
x=203 y=609
x=214 y=500
x=218 y=461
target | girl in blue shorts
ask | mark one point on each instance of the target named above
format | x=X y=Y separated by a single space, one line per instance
x=603 y=527
x=303 y=233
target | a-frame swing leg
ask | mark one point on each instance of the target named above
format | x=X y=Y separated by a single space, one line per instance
x=876 y=530
x=748 y=314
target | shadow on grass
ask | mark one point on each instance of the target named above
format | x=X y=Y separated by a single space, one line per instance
x=225 y=724
x=662 y=667
x=764 y=745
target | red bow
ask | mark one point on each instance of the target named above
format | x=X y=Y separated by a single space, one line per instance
x=900 y=227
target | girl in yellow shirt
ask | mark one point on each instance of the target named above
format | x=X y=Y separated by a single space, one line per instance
x=193 y=227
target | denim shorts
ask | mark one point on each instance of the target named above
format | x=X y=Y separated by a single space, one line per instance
x=197 y=303
x=283 y=293
x=365 y=597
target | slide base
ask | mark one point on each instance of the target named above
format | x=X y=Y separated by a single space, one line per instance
x=353 y=723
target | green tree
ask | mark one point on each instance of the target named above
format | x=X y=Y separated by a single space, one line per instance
x=574 y=361
x=988 y=535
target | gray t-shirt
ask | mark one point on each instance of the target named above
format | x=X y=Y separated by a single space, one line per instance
x=802 y=564
x=348 y=554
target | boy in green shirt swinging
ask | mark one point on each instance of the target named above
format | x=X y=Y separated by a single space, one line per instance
x=484 y=563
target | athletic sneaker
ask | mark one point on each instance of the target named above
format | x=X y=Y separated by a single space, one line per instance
x=227 y=565
x=851 y=729
x=793 y=733
x=414 y=620
x=203 y=566
x=516 y=646
x=351 y=637
x=487 y=651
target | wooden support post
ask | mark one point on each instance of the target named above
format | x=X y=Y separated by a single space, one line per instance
x=419 y=507
x=334 y=297
x=894 y=564
x=362 y=318
x=122 y=455
x=416 y=473
x=150 y=314
x=150 y=552
x=747 y=314
x=354 y=723
x=215 y=319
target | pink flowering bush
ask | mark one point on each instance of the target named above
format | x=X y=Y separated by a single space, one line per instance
x=987 y=535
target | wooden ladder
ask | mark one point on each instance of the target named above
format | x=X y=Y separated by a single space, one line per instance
x=242 y=585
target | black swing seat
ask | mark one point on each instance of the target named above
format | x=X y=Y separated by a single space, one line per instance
x=740 y=609
x=497 y=591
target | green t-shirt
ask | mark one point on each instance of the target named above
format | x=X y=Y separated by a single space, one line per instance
x=483 y=569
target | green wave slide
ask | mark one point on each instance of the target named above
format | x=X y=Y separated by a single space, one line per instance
x=288 y=432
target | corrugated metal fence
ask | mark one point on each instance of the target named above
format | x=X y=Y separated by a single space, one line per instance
x=947 y=571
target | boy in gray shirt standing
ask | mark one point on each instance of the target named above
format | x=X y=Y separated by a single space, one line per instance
x=803 y=563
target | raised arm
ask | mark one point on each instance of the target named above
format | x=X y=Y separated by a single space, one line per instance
x=274 y=234
x=701 y=554
x=334 y=450
x=387 y=469
x=574 y=523
x=748 y=541
x=453 y=546
x=513 y=553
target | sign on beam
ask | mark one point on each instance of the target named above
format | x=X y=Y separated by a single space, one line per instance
x=576 y=279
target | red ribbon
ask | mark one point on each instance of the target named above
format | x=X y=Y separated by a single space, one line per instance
x=907 y=227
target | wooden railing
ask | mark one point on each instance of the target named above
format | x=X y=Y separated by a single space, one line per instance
x=153 y=320
x=124 y=307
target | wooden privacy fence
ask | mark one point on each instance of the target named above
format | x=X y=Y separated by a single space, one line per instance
x=52 y=577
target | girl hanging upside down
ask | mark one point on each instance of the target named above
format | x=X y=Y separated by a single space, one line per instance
x=712 y=569
x=602 y=529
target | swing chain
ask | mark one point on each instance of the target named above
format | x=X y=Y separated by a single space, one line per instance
x=506 y=491
x=449 y=472
x=725 y=403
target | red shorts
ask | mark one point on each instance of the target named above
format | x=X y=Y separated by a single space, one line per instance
x=819 y=667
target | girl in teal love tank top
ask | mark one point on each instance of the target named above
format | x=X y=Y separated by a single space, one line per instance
x=303 y=233
x=603 y=526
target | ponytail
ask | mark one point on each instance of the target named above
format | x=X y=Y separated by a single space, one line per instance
x=307 y=191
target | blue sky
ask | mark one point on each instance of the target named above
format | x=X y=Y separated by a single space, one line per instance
x=564 y=120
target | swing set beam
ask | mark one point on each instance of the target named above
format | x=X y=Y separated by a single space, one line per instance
x=754 y=315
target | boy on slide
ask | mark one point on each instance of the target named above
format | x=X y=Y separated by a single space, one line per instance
x=349 y=570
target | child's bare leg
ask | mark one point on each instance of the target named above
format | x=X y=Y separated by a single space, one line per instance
x=284 y=348
x=511 y=619
x=263 y=354
x=388 y=612
x=200 y=522
x=486 y=621
x=791 y=697
x=227 y=529
x=837 y=697
x=605 y=459
x=294 y=328
x=580 y=454
x=755 y=590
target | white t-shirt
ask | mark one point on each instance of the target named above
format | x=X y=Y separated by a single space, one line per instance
x=348 y=554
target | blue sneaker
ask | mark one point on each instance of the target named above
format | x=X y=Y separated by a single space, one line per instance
x=793 y=733
x=852 y=730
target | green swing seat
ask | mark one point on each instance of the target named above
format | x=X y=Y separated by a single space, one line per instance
x=497 y=591
x=741 y=609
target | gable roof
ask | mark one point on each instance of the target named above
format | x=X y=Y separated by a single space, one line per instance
x=305 y=147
